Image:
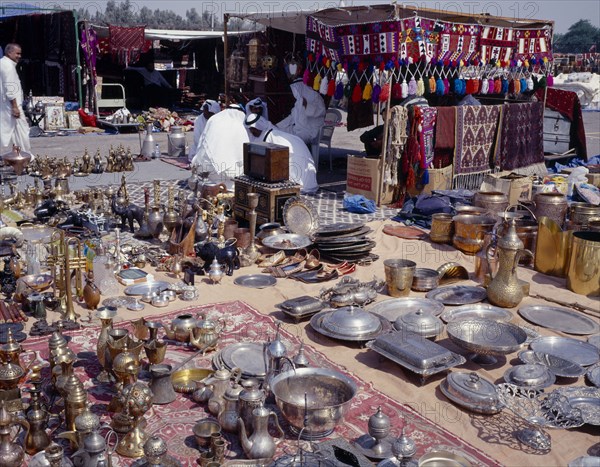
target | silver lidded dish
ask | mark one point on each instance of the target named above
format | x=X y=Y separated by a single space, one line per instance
x=420 y=322
x=471 y=391
x=486 y=338
x=531 y=376
x=349 y=323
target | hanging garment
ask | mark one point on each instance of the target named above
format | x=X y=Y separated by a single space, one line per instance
x=476 y=137
x=521 y=142
x=427 y=123
x=445 y=137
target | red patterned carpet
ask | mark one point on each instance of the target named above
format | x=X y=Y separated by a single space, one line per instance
x=181 y=162
x=174 y=422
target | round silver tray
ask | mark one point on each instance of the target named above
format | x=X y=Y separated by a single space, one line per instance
x=594 y=340
x=365 y=445
x=287 y=242
x=147 y=288
x=558 y=366
x=255 y=281
x=477 y=310
x=586 y=399
x=585 y=461
x=338 y=228
x=317 y=320
x=593 y=375
x=458 y=295
x=393 y=308
x=567 y=348
x=559 y=319
x=300 y=216
x=247 y=356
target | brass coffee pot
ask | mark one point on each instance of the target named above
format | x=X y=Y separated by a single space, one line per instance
x=505 y=289
x=11 y=453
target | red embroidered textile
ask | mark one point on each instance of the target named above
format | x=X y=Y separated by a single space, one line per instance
x=126 y=44
x=567 y=103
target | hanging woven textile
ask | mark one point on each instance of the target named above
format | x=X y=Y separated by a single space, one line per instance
x=126 y=44
x=359 y=41
x=521 y=141
x=476 y=135
x=533 y=44
x=497 y=44
x=397 y=135
x=418 y=39
x=321 y=39
x=457 y=41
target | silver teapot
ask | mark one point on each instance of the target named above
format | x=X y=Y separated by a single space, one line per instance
x=260 y=445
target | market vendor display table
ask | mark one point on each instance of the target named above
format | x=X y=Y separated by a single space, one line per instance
x=382 y=381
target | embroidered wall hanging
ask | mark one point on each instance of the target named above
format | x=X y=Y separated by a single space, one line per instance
x=321 y=39
x=126 y=44
x=533 y=43
x=377 y=41
x=521 y=143
x=418 y=39
x=497 y=44
x=457 y=41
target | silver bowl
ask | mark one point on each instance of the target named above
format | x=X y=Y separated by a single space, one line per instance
x=318 y=396
x=486 y=338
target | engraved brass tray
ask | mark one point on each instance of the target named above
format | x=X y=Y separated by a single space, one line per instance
x=300 y=216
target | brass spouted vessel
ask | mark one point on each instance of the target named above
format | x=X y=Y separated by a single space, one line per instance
x=505 y=289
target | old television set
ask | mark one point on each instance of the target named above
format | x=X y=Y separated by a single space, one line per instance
x=267 y=162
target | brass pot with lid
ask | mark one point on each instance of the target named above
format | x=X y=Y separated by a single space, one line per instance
x=10 y=375
x=18 y=159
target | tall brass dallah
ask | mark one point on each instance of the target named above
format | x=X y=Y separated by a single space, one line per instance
x=505 y=289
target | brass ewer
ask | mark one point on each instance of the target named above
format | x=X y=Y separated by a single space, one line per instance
x=11 y=453
x=505 y=289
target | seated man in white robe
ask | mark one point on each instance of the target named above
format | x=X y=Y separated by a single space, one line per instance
x=220 y=149
x=209 y=108
x=307 y=115
x=302 y=166
x=257 y=106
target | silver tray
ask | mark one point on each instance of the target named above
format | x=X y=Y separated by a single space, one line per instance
x=558 y=366
x=477 y=310
x=419 y=355
x=338 y=228
x=339 y=241
x=287 y=242
x=594 y=340
x=147 y=288
x=247 y=356
x=393 y=308
x=355 y=247
x=365 y=445
x=317 y=320
x=585 y=461
x=357 y=233
x=255 y=281
x=458 y=294
x=587 y=400
x=559 y=319
x=300 y=216
x=568 y=348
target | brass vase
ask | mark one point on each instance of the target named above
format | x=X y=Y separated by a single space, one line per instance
x=91 y=293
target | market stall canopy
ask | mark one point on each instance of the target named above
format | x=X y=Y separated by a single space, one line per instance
x=172 y=34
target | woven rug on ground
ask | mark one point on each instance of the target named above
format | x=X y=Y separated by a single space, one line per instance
x=181 y=162
x=174 y=422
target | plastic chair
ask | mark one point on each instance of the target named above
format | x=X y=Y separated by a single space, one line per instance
x=332 y=118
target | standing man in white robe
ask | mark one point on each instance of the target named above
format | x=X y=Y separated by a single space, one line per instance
x=13 y=124
x=209 y=108
x=302 y=166
x=221 y=146
x=308 y=113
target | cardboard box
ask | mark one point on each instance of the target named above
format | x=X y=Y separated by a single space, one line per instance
x=439 y=179
x=363 y=177
x=515 y=186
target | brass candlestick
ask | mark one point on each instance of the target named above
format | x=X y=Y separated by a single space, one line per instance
x=251 y=251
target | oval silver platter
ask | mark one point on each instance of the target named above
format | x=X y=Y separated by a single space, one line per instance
x=593 y=375
x=147 y=287
x=255 y=281
x=477 y=310
x=317 y=319
x=594 y=340
x=559 y=319
x=393 y=308
x=287 y=242
x=458 y=294
x=567 y=348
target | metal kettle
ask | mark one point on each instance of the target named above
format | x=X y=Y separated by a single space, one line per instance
x=147 y=149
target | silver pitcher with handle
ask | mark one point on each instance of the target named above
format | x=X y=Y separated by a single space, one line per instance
x=260 y=445
x=177 y=144
x=147 y=149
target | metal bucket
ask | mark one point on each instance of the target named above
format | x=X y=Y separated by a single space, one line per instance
x=469 y=232
x=552 y=248
x=583 y=276
x=177 y=144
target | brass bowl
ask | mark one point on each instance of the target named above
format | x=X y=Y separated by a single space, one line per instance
x=203 y=431
x=37 y=282
x=184 y=381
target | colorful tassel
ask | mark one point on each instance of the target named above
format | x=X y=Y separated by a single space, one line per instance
x=504 y=84
x=511 y=86
x=497 y=86
x=357 y=93
x=317 y=82
x=347 y=91
x=549 y=79
x=331 y=88
x=396 y=91
x=412 y=87
x=306 y=76
x=367 y=92
x=432 y=85
x=446 y=86
x=491 y=86
x=420 y=87
x=530 y=84
x=385 y=93
x=339 y=91
x=404 y=90
x=376 y=93
x=324 y=85
x=523 y=85
x=311 y=80
x=485 y=86
x=425 y=178
x=543 y=82
x=440 y=87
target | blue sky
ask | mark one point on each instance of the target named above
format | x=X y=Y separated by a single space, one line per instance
x=563 y=12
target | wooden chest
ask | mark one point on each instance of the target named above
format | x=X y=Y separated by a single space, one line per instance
x=267 y=162
x=271 y=198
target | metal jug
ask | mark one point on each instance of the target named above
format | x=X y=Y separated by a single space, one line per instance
x=147 y=149
x=177 y=144
x=161 y=384
x=260 y=445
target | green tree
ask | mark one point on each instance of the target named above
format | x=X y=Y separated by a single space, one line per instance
x=580 y=37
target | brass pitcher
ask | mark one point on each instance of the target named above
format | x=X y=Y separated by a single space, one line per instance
x=505 y=289
x=11 y=453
